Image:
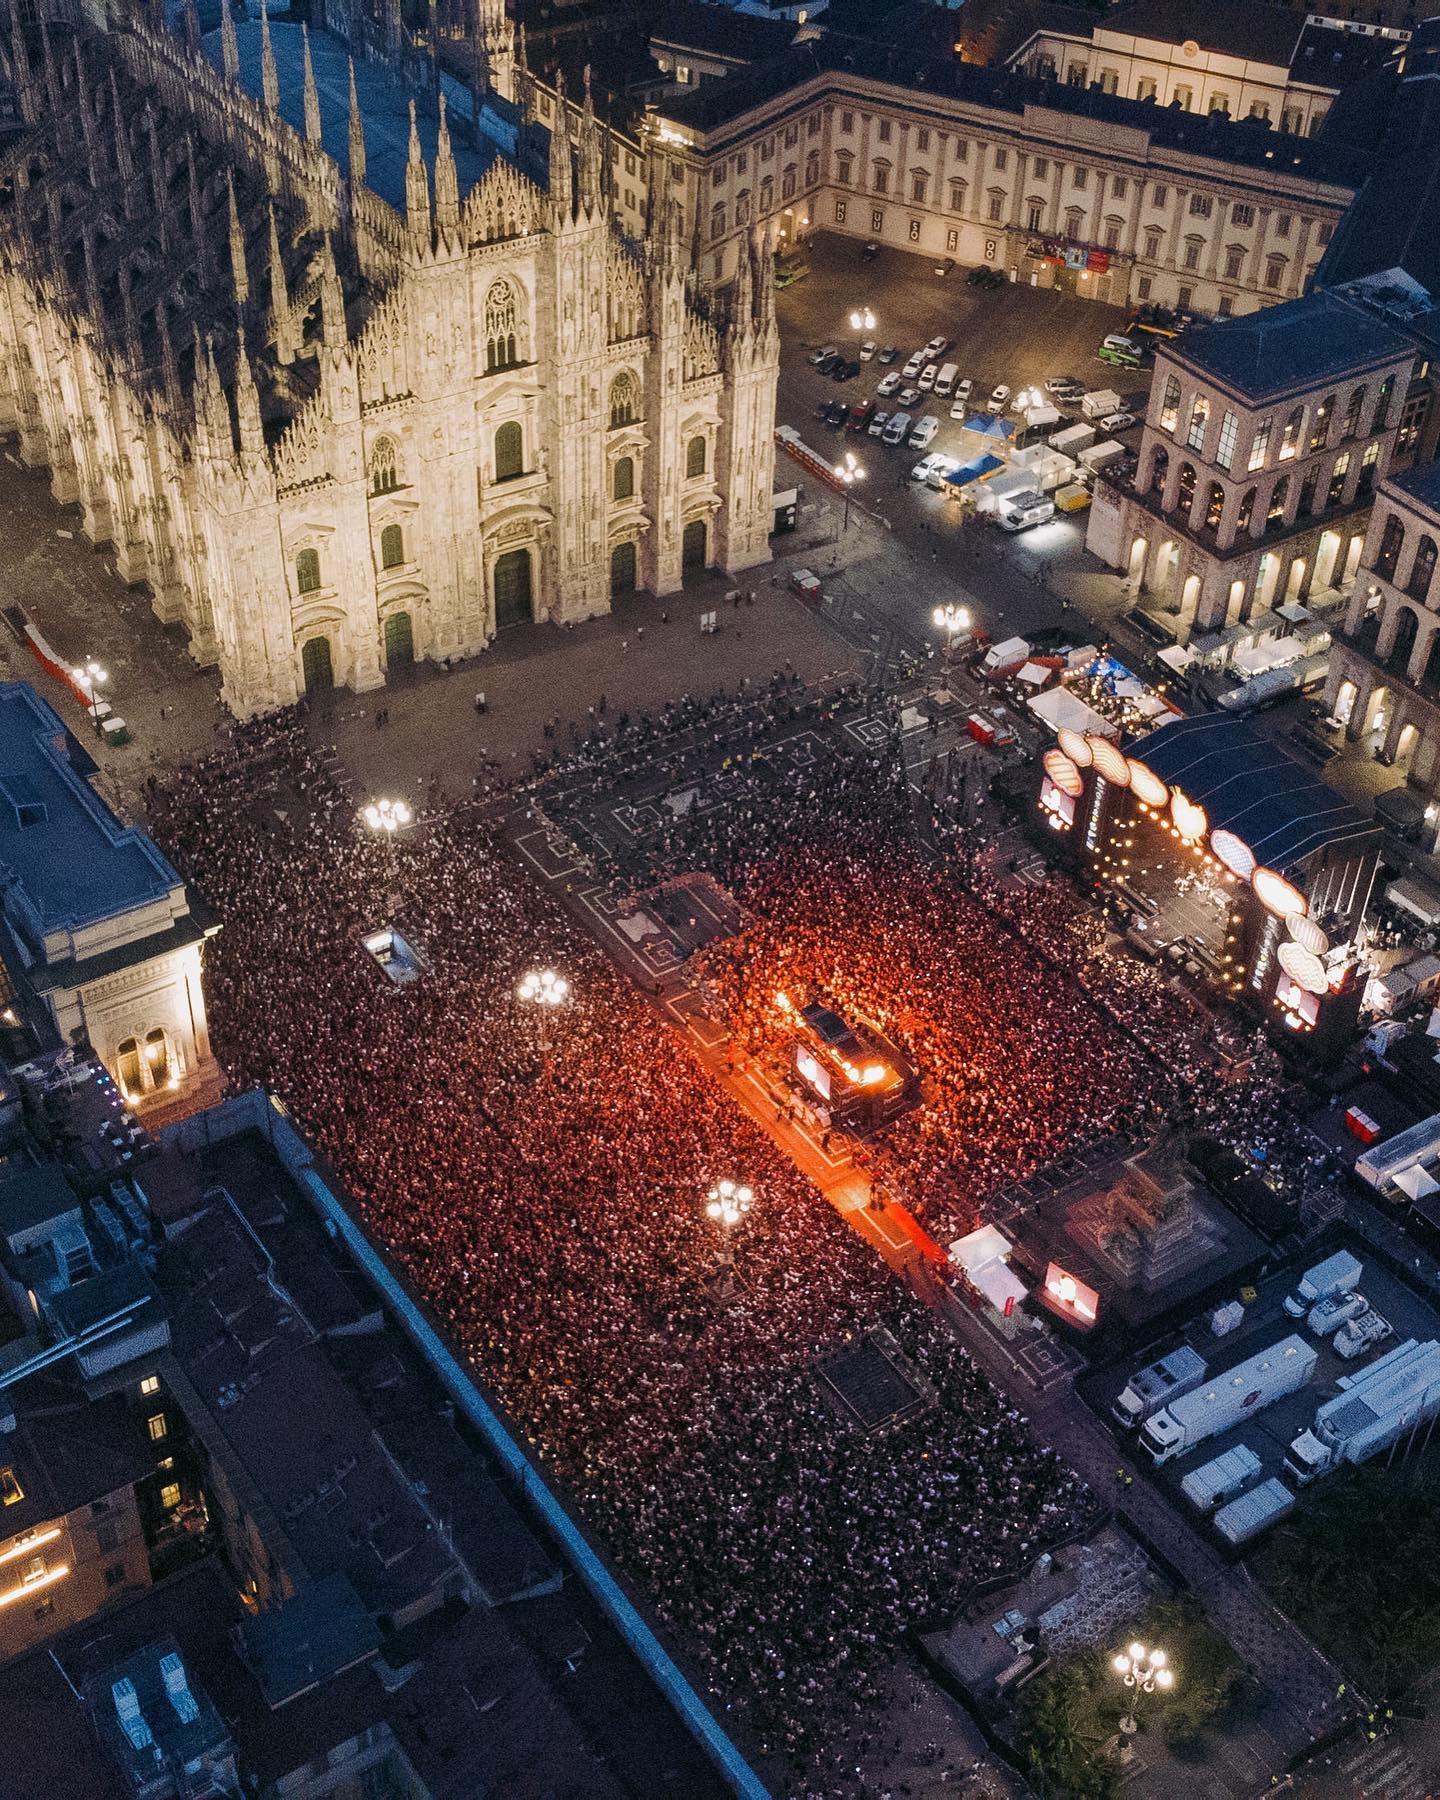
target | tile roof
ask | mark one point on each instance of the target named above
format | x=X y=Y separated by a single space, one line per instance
x=1265 y=34
x=1283 y=347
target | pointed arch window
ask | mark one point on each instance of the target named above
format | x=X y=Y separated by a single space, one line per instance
x=624 y=401
x=500 y=339
x=384 y=467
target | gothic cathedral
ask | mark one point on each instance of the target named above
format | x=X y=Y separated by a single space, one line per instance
x=337 y=417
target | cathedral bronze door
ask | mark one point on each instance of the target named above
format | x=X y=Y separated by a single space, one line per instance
x=622 y=570
x=315 y=660
x=512 y=590
x=399 y=642
x=693 y=546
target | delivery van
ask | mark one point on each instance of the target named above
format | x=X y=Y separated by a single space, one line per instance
x=945 y=380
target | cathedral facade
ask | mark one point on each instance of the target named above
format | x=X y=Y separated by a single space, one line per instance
x=345 y=388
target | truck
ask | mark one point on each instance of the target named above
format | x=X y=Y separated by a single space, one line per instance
x=1383 y=1162
x=1222 y=1479
x=1266 y=689
x=1327 y=1316
x=1156 y=1385
x=1254 y=1512
x=1375 y=1407
x=1338 y=1274
x=1100 y=403
x=1224 y=1400
x=1360 y=1334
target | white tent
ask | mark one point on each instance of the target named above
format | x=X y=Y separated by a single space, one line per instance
x=1176 y=656
x=1057 y=707
x=1034 y=674
x=1416 y=1182
x=982 y=1255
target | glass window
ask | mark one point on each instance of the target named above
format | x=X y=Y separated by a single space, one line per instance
x=1336 y=491
x=1193 y=247
x=847 y=121
x=1201 y=206
x=1320 y=422
x=1040 y=168
x=384 y=471
x=500 y=315
x=919 y=181
x=11 y=1492
x=1225 y=443
x=1002 y=157
x=695 y=453
x=1290 y=439
x=1199 y=419
x=158 y=1427
x=1260 y=443
x=307 y=571
x=1282 y=225
x=1080 y=178
x=392 y=547
x=1422 y=570
x=957 y=196
x=150 y=1385
x=885 y=129
x=922 y=140
x=1234 y=262
x=622 y=486
x=994 y=211
x=1170 y=403
x=1158 y=194
x=170 y=1495
x=1242 y=213
x=1119 y=186
x=880 y=180
x=509 y=451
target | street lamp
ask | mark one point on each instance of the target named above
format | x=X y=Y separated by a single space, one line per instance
x=1145 y=1672
x=727 y=1203
x=848 y=472
x=544 y=990
x=89 y=677
x=954 y=621
x=861 y=321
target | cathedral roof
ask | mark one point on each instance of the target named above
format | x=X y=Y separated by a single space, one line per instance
x=385 y=109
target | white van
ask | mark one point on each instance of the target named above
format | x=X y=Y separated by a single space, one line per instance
x=927 y=377
x=896 y=430
x=1018 y=512
x=923 y=434
x=945 y=380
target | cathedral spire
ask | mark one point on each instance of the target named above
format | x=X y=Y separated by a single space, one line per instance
x=357 y=135
x=417 y=187
x=765 y=277
x=197 y=212
x=333 y=330
x=20 y=68
x=238 y=269
x=561 y=186
x=447 y=181
x=124 y=162
x=279 y=297
x=590 y=171
x=312 y=93
x=47 y=63
x=192 y=28
x=269 y=74
x=742 y=317
x=229 y=48
x=169 y=369
x=497 y=37
x=247 y=403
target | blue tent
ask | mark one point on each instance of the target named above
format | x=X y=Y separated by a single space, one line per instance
x=990 y=425
x=974 y=471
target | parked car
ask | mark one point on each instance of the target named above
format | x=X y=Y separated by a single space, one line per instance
x=888 y=354
x=846 y=369
x=914 y=366
x=827 y=364
x=999 y=394
x=984 y=276
x=805 y=583
x=1059 y=384
x=867 y=350
x=898 y=426
x=870 y=252
x=935 y=460
x=860 y=415
x=937 y=347
x=1118 y=421
x=833 y=412
x=819 y=356
x=888 y=385
x=958 y=409
x=927 y=377
x=923 y=435
x=963 y=389
x=878 y=422
x=946 y=267
x=909 y=396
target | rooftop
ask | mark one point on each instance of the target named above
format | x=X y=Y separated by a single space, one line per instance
x=385 y=110
x=68 y=1451
x=1248 y=785
x=741 y=37
x=1263 y=34
x=60 y=844
x=1421 y=485
x=1294 y=345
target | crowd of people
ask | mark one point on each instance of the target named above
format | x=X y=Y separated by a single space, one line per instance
x=542 y=1179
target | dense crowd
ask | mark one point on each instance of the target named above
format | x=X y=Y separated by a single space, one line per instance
x=543 y=1183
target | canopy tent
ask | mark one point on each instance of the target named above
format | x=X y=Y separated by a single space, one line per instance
x=1057 y=707
x=1034 y=674
x=982 y=1256
x=978 y=470
x=989 y=425
x=1274 y=653
x=1176 y=657
x=1417 y=1182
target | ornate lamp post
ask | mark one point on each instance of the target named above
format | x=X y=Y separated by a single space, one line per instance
x=91 y=677
x=848 y=473
x=727 y=1203
x=385 y=818
x=954 y=621
x=546 y=991
x=1144 y=1672
x=861 y=321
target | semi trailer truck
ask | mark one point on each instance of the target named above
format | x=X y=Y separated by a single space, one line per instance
x=1157 y=1384
x=1225 y=1399
x=1254 y=1512
x=1222 y=1479
x=1373 y=1408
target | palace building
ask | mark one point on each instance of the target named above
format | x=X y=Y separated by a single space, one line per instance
x=352 y=365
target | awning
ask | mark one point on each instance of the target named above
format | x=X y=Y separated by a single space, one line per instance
x=1175 y=656
x=1058 y=707
x=1416 y=1182
x=973 y=471
x=1034 y=674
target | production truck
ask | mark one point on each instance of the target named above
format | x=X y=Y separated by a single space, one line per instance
x=1338 y=1274
x=1254 y=1512
x=1224 y=1479
x=1374 y=1408
x=1224 y=1400
x=1157 y=1384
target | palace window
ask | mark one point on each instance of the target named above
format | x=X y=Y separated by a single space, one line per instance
x=1225 y=443
x=622 y=482
x=695 y=453
x=1260 y=443
x=509 y=451
x=1199 y=419
x=1170 y=403
x=307 y=571
x=392 y=547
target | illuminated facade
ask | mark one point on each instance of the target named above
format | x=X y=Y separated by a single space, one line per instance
x=341 y=409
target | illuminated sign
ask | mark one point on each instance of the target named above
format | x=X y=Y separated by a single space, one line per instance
x=1071 y=1297
x=1059 y=806
x=811 y=1071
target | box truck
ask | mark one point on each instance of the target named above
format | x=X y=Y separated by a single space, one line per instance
x=1327 y=1316
x=1225 y=1478
x=1338 y=1274
x=1100 y=403
x=1157 y=1384
x=1396 y=1393
x=1224 y=1400
x=1254 y=1512
x=1073 y=439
